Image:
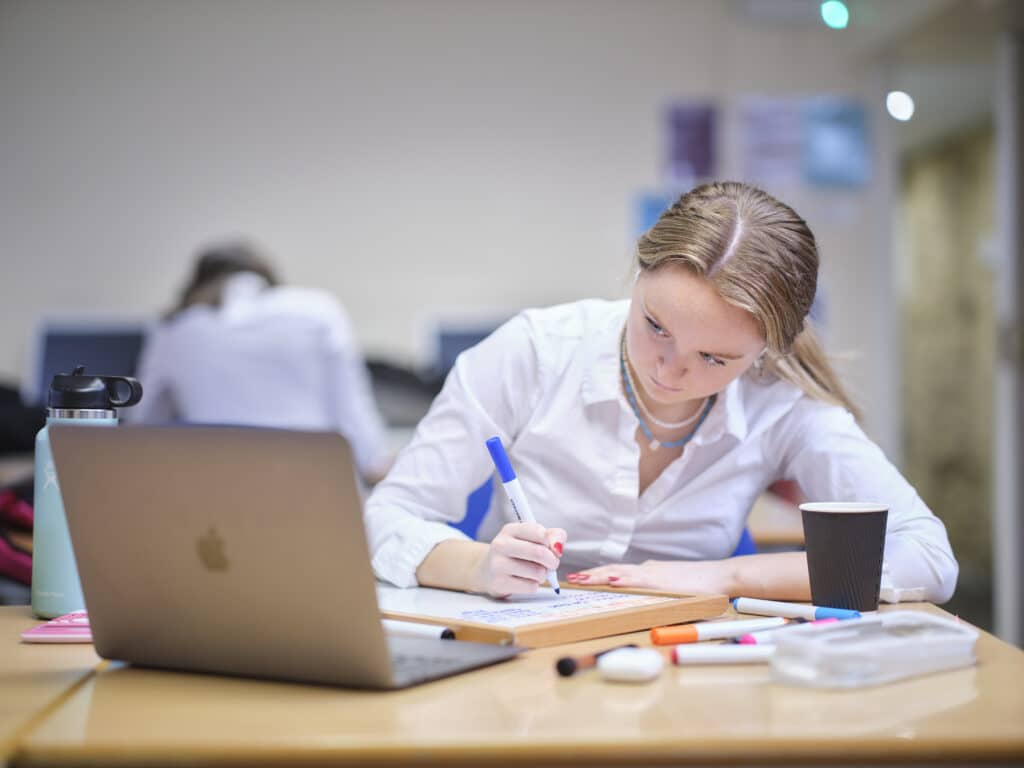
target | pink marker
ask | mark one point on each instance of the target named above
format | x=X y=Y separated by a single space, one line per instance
x=767 y=636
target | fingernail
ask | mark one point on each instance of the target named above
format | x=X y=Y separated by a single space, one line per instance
x=613 y=578
x=584 y=576
x=557 y=546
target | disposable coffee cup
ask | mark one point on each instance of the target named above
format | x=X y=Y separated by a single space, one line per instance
x=845 y=543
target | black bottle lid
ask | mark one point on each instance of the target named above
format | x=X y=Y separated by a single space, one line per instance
x=79 y=391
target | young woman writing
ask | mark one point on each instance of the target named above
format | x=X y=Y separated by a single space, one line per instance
x=643 y=430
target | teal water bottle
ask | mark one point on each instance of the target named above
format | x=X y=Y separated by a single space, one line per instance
x=82 y=400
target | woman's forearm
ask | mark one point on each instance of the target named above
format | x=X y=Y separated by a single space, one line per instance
x=775 y=576
x=453 y=564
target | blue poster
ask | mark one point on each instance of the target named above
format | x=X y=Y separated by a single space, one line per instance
x=836 y=151
x=648 y=207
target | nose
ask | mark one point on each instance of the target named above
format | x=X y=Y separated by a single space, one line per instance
x=672 y=368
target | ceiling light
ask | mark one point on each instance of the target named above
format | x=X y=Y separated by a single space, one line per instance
x=900 y=105
x=835 y=14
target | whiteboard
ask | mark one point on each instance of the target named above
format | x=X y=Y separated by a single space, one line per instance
x=515 y=611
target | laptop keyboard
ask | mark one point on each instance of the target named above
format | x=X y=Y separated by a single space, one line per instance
x=417 y=659
x=411 y=666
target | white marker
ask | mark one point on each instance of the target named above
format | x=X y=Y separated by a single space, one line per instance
x=416 y=629
x=721 y=654
x=791 y=610
x=769 y=636
x=515 y=493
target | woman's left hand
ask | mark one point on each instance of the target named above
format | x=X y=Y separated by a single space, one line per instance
x=685 y=577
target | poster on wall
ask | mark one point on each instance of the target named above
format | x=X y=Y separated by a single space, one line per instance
x=647 y=209
x=836 y=151
x=771 y=141
x=792 y=140
x=691 y=155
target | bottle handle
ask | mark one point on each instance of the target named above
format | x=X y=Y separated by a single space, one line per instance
x=113 y=386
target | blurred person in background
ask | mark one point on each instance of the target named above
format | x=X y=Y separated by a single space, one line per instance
x=241 y=348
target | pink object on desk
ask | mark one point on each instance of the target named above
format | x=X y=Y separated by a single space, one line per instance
x=69 y=628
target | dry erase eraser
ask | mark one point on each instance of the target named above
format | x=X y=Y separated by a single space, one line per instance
x=630 y=665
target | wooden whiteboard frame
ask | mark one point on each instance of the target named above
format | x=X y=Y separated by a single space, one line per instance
x=615 y=621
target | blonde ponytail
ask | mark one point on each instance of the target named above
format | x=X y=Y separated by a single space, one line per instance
x=807 y=367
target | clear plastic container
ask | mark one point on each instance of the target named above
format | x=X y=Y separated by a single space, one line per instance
x=872 y=650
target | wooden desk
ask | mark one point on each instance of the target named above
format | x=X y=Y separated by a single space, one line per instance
x=33 y=678
x=775 y=523
x=522 y=713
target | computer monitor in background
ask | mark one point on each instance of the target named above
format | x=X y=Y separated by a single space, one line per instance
x=456 y=332
x=451 y=342
x=104 y=346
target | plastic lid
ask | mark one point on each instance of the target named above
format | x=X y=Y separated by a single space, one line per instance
x=79 y=391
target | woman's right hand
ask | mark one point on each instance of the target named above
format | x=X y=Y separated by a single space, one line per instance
x=518 y=559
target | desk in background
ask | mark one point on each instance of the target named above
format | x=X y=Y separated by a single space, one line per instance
x=775 y=523
x=521 y=713
x=34 y=678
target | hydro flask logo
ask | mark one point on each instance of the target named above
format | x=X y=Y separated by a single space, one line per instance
x=50 y=473
x=211 y=551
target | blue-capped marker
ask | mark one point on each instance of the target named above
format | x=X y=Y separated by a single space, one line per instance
x=791 y=610
x=515 y=493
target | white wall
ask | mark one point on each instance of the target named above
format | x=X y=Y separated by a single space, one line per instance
x=408 y=156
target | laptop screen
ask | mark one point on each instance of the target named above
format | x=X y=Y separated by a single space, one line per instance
x=109 y=347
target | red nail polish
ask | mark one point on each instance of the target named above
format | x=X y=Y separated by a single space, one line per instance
x=613 y=578
x=584 y=575
x=557 y=546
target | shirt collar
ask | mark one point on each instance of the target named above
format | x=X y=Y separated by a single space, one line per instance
x=727 y=416
x=238 y=298
x=601 y=373
x=242 y=287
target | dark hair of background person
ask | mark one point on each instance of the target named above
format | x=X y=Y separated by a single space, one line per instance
x=214 y=265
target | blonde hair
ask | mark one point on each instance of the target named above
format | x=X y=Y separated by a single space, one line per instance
x=761 y=257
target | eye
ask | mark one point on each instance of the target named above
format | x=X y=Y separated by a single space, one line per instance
x=711 y=360
x=658 y=330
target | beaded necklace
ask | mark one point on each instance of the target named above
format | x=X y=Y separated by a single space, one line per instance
x=645 y=410
x=655 y=444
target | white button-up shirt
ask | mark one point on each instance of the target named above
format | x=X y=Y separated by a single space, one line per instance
x=282 y=356
x=548 y=383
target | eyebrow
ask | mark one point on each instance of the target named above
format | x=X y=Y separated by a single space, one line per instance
x=723 y=355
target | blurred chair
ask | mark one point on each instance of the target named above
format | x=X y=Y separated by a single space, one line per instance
x=477 y=506
x=479 y=503
x=746 y=545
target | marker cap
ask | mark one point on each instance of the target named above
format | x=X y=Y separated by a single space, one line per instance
x=687 y=633
x=500 y=459
x=836 y=613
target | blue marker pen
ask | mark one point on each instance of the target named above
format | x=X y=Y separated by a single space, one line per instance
x=515 y=493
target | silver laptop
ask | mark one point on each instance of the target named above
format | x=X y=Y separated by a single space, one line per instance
x=238 y=551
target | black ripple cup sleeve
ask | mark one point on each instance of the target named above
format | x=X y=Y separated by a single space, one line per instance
x=845 y=543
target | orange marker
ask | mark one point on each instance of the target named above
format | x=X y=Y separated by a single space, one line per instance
x=712 y=630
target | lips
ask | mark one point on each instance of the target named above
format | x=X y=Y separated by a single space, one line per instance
x=666 y=388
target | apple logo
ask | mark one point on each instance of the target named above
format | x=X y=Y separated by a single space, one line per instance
x=211 y=551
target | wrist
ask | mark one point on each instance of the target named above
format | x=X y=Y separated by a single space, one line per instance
x=454 y=564
x=477 y=570
x=735 y=578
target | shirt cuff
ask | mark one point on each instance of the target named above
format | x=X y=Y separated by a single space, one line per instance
x=398 y=558
x=890 y=593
